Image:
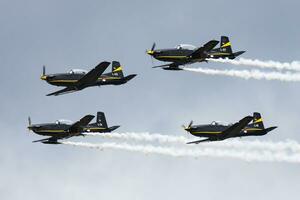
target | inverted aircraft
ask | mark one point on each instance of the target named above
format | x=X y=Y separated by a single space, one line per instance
x=63 y=129
x=77 y=79
x=217 y=131
x=184 y=54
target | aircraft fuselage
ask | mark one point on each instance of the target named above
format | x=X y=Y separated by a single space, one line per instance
x=215 y=131
x=61 y=130
x=67 y=80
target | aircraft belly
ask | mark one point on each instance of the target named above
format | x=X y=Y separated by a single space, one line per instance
x=56 y=133
x=206 y=134
x=172 y=59
x=63 y=83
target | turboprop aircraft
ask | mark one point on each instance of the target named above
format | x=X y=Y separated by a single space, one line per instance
x=63 y=129
x=216 y=131
x=184 y=54
x=77 y=79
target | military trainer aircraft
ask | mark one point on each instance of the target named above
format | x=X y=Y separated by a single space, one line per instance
x=216 y=131
x=63 y=129
x=184 y=54
x=76 y=79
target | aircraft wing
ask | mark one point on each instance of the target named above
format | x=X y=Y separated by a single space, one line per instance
x=170 y=66
x=199 y=141
x=94 y=74
x=51 y=140
x=236 y=128
x=76 y=127
x=207 y=47
x=166 y=65
x=63 y=91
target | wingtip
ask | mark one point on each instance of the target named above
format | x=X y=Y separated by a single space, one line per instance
x=104 y=63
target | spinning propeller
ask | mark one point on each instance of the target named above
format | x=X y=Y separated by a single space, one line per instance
x=29 y=124
x=151 y=52
x=188 y=127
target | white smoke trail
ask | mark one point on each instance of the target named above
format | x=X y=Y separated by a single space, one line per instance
x=288 y=145
x=154 y=137
x=295 y=65
x=247 y=74
x=184 y=152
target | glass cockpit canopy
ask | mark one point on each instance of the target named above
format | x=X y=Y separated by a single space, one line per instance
x=63 y=121
x=185 y=46
x=215 y=123
x=78 y=71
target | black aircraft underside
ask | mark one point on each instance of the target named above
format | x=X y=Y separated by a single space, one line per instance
x=216 y=132
x=59 y=130
x=77 y=81
x=187 y=54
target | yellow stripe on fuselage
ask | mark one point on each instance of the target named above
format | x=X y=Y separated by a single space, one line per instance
x=219 y=53
x=51 y=131
x=252 y=129
x=63 y=81
x=74 y=81
x=109 y=78
x=207 y=132
x=98 y=128
x=171 y=56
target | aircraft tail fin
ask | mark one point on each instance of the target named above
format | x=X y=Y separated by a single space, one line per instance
x=101 y=120
x=225 y=45
x=117 y=69
x=257 y=121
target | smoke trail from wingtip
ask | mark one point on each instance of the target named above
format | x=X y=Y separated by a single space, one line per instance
x=294 y=65
x=185 y=152
x=288 y=145
x=248 y=74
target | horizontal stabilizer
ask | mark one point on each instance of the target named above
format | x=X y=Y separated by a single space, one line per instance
x=129 y=77
x=270 y=129
x=113 y=128
x=236 y=54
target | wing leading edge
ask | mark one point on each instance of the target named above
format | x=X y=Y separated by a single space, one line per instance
x=205 y=48
x=236 y=128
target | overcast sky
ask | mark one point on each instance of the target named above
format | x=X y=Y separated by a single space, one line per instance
x=79 y=34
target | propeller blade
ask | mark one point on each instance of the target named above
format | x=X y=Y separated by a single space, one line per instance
x=44 y=70
x=29 y=121
x=29 y=124
x=191 y=123
x=153 y=46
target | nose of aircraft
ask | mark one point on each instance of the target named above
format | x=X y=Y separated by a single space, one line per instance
x=31 y=127
x=43 y=77
x=150 y=52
